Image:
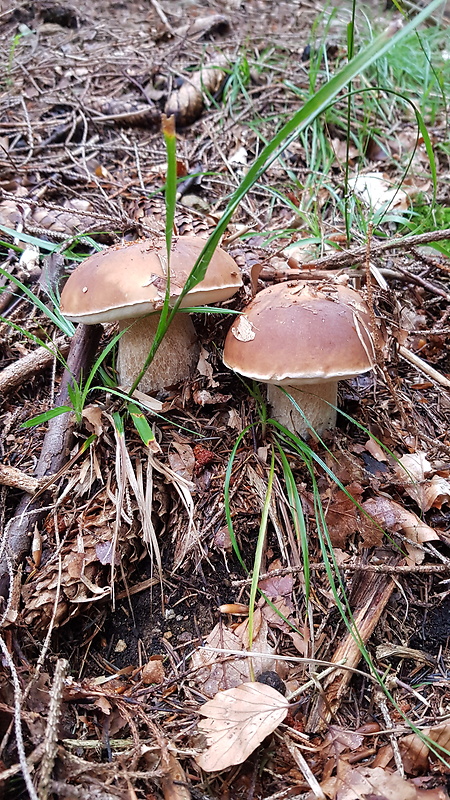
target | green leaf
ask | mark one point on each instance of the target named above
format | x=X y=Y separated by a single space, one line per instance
x=141 y=424
x=53 y=412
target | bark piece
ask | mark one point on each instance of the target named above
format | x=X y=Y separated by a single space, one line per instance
x=369 y=597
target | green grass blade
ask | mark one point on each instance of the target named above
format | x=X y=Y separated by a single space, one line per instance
x=259 y=553
x=141 y=424
x=45 y=416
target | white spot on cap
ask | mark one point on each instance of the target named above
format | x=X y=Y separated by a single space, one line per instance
x=84 y=289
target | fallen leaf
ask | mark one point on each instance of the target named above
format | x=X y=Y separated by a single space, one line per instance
x=93 y=416
x=415 y=751
x=427 y=492
x=379 y=782
x=344 y=519
x=205 y=368
x=173 y=776
x=393 y=517
x=183 y=461
x=237 y=721
x=214 y=672
x=153 y=672
x=375 y=450
x=376 y=192
x=278 y=585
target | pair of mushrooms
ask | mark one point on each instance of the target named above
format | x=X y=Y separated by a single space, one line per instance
x=301 y=338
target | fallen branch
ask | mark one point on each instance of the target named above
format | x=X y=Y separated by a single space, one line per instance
x=356 y=255
x=17 y=373
x=10 y=476
x=54 y=454
x=384 y=569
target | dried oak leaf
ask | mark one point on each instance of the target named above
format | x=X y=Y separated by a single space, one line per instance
x=236 y=722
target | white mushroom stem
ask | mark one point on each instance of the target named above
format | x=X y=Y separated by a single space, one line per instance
x=313 y=399
x=174 y=361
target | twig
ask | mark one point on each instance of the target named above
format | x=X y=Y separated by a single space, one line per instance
x=311 y=780
x=358 y=254
x=18 y=722
x=19 y=372
x=423 y=282
x=394 y=743
x=51 y=731
x=10 y=476
x=422 y=366
x=386 y=569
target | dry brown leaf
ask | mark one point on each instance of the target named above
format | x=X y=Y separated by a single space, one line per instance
x=217 y=672
x=174 y=775
x=415 y=751
x=375 y=450
x=205 y=368
x=153 y=672
x=93 y=416
x=344 y=519
x=278 y=585
x=354 y=784
x=236 y=722
x=412 y=471
x=393 y=517
x=183 y=461
x=338 y=740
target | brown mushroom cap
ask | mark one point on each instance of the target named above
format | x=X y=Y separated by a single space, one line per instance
x=297 y=334
x=130 y=281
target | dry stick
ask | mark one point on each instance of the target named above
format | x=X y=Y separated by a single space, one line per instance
x=54 y=453
x=10 y=476
x=422 y=366
x=368 y=599
x=357 y=254
x=383 y=569
x=13 y=376
x=51 y=733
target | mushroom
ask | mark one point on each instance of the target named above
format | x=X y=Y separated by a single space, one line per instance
x=304 y=339
x=128 y=283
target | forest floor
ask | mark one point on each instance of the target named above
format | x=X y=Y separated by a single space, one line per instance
x=107 y=656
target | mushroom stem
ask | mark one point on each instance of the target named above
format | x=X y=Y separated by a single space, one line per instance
x=313 y=399
x=175 y=359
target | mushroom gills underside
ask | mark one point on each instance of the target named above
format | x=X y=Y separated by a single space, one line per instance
x=174 y=361
x=313 y=399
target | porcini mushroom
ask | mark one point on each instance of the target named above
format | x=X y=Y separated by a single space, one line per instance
x=128 y=283
x=304 y=339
